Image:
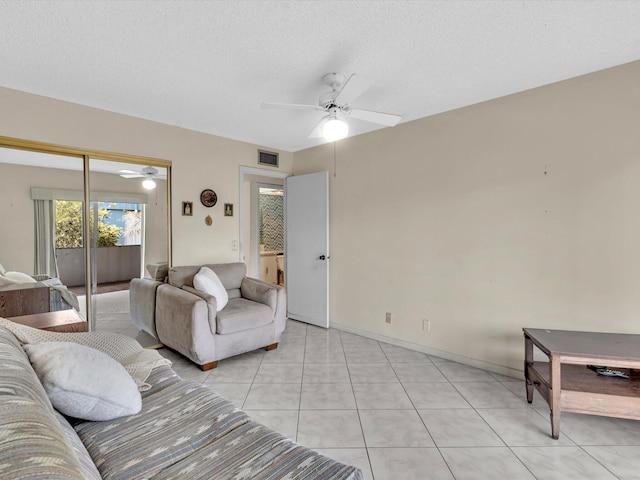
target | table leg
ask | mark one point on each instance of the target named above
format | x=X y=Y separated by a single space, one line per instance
x=554 y=404
x=528 y=360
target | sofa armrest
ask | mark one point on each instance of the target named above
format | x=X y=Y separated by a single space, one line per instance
x=269 y=294
x=182 y=323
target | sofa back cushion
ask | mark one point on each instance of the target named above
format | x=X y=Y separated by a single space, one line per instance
x=89 y=469
x=230 y=274
x=33 y=444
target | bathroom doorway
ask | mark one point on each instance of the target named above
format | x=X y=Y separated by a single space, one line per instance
x=251 y=180
x=270 y=233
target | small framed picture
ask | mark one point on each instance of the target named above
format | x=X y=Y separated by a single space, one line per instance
x=228 y=209
x=187 y=209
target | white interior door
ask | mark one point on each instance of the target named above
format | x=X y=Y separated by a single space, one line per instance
x=307 y=247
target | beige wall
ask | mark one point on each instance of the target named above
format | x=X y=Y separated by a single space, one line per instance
x=199 y=161
x=17 y=228
x=518 y=212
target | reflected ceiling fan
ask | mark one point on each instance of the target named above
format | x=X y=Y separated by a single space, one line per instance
x=337 y=106
x=148 y=173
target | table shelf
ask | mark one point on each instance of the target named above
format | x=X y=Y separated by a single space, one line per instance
x=579 y=378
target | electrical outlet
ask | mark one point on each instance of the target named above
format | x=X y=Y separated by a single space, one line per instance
x=388 y=318
x=234 y=245
x=426 y=325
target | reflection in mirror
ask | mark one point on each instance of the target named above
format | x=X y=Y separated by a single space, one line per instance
x=36 y=226
x=129 y=231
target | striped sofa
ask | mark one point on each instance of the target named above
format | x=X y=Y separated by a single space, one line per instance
x=184 y=430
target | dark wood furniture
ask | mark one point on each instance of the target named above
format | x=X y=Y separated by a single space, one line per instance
x=568 y=385
x=23 y=299
x=65 y=321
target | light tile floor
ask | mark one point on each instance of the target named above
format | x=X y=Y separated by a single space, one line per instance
x=400 y=414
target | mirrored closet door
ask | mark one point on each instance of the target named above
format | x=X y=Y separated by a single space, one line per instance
x=52 y=260
x=128 y=211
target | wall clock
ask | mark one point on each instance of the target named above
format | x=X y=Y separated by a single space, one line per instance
x=208 y=198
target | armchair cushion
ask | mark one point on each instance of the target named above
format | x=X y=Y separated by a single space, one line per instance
x=207 y=281
x=242 y=314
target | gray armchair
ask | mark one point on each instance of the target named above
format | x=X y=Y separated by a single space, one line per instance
x=187 y=320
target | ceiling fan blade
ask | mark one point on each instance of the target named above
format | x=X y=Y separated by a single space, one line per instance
x=388 y=119
x=127 y=171
x=317 y=131
x=353 y=88
x=291 y=106
x=131 y=175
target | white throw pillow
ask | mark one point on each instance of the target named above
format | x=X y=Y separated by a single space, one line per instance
x=83 y=382
x=2 y=270
x=19 y=277
x=207 y=281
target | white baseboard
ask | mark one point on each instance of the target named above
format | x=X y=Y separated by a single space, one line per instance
x=472 y=362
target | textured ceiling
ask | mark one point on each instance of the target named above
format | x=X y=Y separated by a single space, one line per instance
x=208 y=65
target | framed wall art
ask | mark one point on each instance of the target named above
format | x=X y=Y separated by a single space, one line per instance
x=187 y=209
x=208 y=198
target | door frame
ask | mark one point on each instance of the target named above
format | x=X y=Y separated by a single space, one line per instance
x=244 y=210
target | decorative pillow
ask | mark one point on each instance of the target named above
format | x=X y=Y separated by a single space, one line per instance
x=207 y=281
x=19 y=277
x=2 y=270
x=83 y=382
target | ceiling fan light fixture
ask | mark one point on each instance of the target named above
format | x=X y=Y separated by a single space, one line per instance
x=335 y=129
x=149 y=183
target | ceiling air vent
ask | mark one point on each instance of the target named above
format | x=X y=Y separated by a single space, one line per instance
x=267 y=158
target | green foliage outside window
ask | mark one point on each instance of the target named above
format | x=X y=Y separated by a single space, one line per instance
x=69 y=226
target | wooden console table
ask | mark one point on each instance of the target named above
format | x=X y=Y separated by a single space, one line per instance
x=23 y=299
x=569 y=386
x=66 y=321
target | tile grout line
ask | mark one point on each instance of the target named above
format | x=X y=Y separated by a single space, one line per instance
x=364 y=438
x=304 y=354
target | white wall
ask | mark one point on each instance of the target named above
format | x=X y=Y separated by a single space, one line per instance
x=199 y=161
x=519 y=212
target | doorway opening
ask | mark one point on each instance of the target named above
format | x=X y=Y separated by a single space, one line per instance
x=271 y=233
x=251 y=180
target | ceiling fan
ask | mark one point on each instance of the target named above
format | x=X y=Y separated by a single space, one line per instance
x=148 y=173
x=337 y=106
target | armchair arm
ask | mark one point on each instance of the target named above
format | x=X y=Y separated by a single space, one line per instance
x=182 y=323
x=212 y=305
x=142 y=304
x=269 y=294
x=259 y=291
